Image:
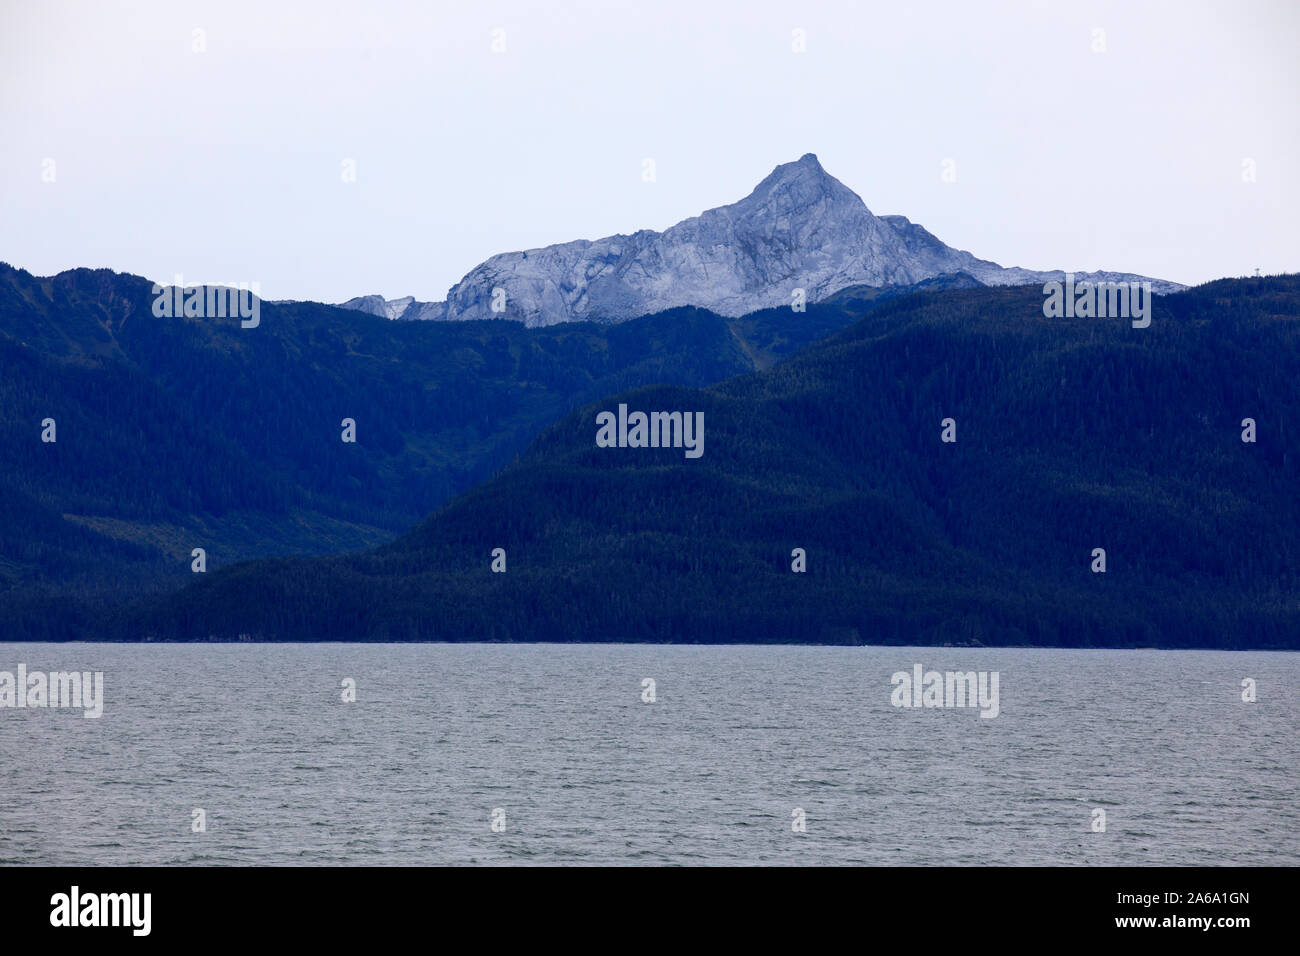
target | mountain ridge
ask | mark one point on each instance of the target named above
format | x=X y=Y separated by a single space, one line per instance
x=799 y=228
x=1070 y=435
x=183 y=432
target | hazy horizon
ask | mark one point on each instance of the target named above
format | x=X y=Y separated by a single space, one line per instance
x=134 y=143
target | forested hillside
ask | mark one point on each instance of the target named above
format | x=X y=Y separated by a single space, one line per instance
x=177 y=433
x=1071 y=435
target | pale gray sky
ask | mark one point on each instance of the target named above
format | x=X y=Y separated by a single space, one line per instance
x=225 y=165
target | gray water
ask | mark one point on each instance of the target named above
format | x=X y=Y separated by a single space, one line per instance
x=559 y=738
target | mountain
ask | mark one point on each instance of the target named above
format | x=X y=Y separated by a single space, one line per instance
x=800 y=228
x=177 y=433
x=1071 y=435
x=378 y=305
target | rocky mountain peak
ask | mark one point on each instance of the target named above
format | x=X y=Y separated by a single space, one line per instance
x=799 y=185
x=800 y=228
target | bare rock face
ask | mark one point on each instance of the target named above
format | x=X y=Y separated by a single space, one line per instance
x=800 y=228
x=378 y=305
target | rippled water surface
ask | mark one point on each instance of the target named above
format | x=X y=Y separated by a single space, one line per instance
x=559 y=738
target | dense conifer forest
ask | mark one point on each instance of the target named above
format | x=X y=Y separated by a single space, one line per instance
x=1071 y=435
x=178 y=433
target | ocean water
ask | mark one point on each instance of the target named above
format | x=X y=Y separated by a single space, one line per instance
x=558 y=743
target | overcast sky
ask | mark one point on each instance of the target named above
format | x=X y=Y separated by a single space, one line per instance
x=226 y=164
